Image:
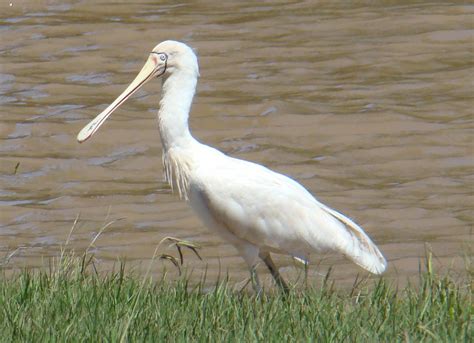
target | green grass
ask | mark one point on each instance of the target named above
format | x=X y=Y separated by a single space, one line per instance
x=71 y=302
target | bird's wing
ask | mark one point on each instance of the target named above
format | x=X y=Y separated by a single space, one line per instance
x=276 y=213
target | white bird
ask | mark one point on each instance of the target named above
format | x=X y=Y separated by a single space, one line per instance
x=256 y=209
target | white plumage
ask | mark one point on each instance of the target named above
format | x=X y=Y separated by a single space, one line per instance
x=259 y=211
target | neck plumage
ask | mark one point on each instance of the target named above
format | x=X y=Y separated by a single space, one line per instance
x=177 y=95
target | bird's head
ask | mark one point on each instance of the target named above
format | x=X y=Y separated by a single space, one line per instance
x=175 y=56
x=166 y=58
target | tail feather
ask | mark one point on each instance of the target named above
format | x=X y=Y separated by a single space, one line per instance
x=362 y=251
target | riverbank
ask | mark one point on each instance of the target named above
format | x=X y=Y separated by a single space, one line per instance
x=72 y=302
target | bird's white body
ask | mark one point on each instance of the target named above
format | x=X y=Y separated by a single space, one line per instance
x=258 y=210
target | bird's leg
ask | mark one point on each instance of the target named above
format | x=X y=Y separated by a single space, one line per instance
x=250 y=254
x=255 y=280
x=274 y=271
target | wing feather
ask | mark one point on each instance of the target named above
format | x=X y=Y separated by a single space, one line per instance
x=274 y=212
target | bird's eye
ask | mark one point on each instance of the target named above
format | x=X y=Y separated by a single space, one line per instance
x=163 y=57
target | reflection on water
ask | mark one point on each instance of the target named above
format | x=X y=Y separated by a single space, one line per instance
x=368 y=106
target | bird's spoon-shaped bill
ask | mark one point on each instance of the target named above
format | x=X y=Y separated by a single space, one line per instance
x=152 y=67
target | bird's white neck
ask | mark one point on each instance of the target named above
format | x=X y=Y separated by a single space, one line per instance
x=176 y=98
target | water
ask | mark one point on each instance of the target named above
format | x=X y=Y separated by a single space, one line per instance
x=369 y=107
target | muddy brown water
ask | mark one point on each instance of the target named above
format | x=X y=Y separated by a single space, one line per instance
x=369 y=107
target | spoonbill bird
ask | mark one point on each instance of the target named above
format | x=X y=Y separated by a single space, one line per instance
x=257 y=210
